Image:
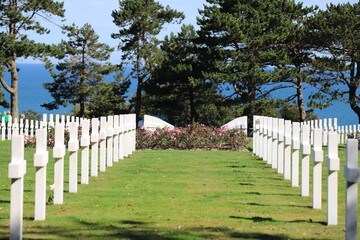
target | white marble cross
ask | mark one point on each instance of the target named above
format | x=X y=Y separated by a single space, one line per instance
x=317 y=156
x=352 y=176
x=94 y=139
x=305 y=160
x=73 y=147
x=333 y=165
x=17 y=170
x=41 y=159
x=103 y=126
x=295 y=143
x=58 y=154
x=85 y=143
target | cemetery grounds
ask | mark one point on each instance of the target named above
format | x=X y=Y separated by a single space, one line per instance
x=168 y=195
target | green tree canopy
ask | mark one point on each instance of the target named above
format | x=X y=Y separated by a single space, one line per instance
x=17 y=18
x=178 y=91
x=109 y=98
x=243 y=39
x=140 y=21
x=296 y=66
x=82 y=70
x=337 y=32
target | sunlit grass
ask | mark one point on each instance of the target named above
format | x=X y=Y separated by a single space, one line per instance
x=176 y=195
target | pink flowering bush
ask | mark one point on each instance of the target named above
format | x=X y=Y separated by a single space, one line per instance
x=31 y=141
x=195 y=136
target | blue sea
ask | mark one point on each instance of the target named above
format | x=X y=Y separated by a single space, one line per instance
x=32 y=94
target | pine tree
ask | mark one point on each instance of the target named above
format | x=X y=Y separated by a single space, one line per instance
x=337 y=35
x=82 y=70
x=109 y=98
x=244 y=39
x=178 y=92
x=140 y=21
x=18 y=17
x=296 y=66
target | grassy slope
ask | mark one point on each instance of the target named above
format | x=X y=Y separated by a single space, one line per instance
x=176 y=195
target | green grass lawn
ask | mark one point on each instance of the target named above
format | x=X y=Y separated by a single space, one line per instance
x=170 y=195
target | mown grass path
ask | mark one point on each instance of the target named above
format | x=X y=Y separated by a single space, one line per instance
x=170 y=195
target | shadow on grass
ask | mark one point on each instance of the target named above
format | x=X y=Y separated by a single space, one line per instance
x=246 y=184
x=136 y=230
x=272 y=194
x=239 y=235
x=234 y=166
x=126 y=229
x=262 y=219
x=259 y=236
x=282 y=205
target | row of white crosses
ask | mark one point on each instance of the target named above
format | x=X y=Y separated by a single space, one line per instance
x=117 y=138
x=331 y=125
x=279 y=143
x=18 y=127
x=28 y=127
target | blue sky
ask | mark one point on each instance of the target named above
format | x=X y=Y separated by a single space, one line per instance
x=98 y=14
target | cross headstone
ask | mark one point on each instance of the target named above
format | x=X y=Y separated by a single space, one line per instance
x=305 y=160
x=3 y=128
x=85 y=143
x=26 y=129
x=275 y=142
x=121 y=136
x=103 y=126
x=269 y=140
x=15 y=127
x=9 y=129
x=73 y=147
x=41 y=159
x=51 y=120
x=109 y=140
x=94 y=141
x=333 y=165
x=256 y=122
x=32 y=128
x=58 y=155
x=44 y=121
x=264 y=139
x=325 y=132
x=116 y=138
x=281 y=138
x=21 y=126
x=295 y=154
x=352 y=176
x=67 y=124
x=133 y=121
x=57 y=119
x=317 y=156
x=17 y=170
x=62 y=117
x=261 y=136
x=287 y=151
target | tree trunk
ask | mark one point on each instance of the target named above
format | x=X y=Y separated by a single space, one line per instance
x=352 y=99
x=300 y=100
x=192 y=106
x=14 y=95
x=82 y=108
x=249 y=98
x=138 y=91
x=14 y=74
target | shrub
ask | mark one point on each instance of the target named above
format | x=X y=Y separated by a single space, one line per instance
x=195 y=136
x=31 y=141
